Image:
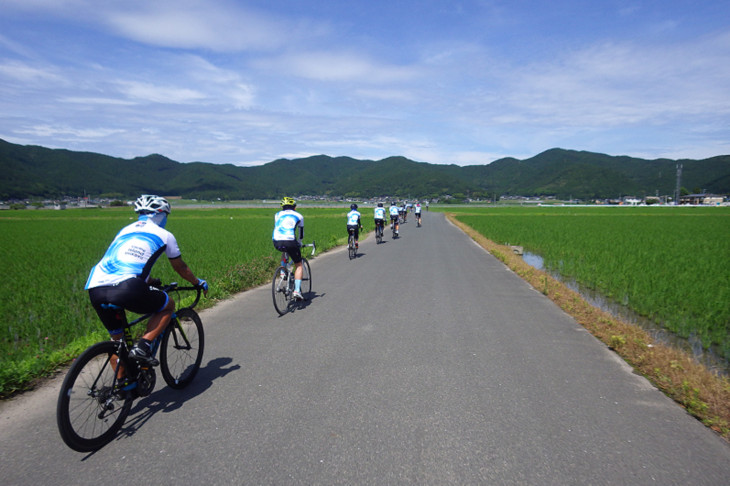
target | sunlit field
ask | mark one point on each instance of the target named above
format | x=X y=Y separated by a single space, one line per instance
x=669 y=264
x=47 y=255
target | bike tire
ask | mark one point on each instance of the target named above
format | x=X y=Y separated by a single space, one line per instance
x=306 y=287
x=281 y=290
x=181 y=350
x=90 y=411
x=351 y=246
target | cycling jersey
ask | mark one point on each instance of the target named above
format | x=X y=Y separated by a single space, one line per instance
x=379 y=213
x=394 y=210
x=418 y=209
x=353 y=218
x=285 y=224
x=133 y=252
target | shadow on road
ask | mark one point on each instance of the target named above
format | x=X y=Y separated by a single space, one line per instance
x=167 y=400
x=303 y=304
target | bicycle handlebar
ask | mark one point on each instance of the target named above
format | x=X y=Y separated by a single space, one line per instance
x=172 y=286
x=313 y=246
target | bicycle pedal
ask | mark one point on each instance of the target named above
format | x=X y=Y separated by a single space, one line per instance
x=145 y=363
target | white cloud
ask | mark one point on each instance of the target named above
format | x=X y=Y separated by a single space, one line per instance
x=27 y=73
x=86 y=101
x=63 y=132
x=338 y=67
x=159 y=94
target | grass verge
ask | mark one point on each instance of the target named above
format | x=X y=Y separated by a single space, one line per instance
x=704 y=394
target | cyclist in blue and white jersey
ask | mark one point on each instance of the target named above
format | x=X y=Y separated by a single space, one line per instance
x=353 y=223
x=418 y=212
x=394 y=210
x=120 y=281
x=379 y=215
x=285 y=239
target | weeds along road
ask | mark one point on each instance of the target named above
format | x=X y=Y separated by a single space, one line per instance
x=423 y=361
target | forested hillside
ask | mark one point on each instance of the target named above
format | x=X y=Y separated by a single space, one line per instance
x=32 y=171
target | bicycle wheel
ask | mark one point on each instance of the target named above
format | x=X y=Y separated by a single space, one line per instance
x=379 y=235
x=91 y=407
x=351 y=246
x=280 y=290
x=306 y=278
x=182 y=348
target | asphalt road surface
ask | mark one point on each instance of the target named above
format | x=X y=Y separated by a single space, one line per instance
x=423 y=361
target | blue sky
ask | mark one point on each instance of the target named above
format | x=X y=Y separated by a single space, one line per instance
x=439 y=81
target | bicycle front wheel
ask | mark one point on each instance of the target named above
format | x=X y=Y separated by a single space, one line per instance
x=91 y=405
x=306 y=278
x=181 y=350
x=281 y=287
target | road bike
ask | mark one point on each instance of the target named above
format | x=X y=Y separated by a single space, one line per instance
x=99 y=388
x=282 y=285
x=394 y=230
x=351 y=246
x=379 y=232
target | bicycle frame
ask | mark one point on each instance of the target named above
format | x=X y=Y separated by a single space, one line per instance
x=131 y=367
x=97 y=394
x=283 y=288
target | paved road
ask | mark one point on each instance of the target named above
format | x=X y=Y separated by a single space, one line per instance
x=423 y=361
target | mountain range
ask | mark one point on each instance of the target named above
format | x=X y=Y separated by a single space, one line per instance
x=30 y=171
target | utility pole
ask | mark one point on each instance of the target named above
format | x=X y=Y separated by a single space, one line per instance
x=679 y=184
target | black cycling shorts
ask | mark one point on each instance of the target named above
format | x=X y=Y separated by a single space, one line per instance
x=354 y=229
x=291 y=247
x=133 y=294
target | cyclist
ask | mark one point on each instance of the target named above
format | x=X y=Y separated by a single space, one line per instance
x=379 y=214
x=121 y=278
x=353 y=223
x=285 y=239
x=393 y=210
x=403 y=213
x=417 y=211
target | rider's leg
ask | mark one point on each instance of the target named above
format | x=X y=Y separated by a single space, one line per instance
x=298 y=271
x=159 y=321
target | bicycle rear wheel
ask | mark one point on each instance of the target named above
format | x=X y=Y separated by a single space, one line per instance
x=182 y=349
x=281 y=288
x=379 y=234
x=91 y=406
x=351 y=246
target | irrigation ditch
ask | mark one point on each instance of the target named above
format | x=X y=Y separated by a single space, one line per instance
x=702 y=390
x=709 y=357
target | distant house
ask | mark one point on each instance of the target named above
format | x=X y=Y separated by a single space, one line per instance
x=701 y=199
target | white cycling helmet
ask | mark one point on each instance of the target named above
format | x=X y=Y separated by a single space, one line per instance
x=149 y=204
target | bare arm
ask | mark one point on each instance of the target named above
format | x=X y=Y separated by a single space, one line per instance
x=179 y=265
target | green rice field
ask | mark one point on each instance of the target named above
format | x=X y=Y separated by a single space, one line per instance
x=669 y=264
x=47 y=255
